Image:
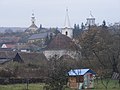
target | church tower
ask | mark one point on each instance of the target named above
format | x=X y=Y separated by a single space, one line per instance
x=33 y=18
x=90 y=20
x=67 y=30
x=33 y=28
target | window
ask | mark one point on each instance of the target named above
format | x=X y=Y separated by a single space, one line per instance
x=66 y=33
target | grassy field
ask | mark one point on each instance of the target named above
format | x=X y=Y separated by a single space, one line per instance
x=113 y=85
x=21 y=87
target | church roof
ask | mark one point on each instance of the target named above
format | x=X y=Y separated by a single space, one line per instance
x=38 y=36
x=33 y=26
x=61 y=42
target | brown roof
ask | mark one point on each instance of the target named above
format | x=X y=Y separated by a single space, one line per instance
x=61 y=42
x=7 y=54
x=33 y=57
x=26 y=57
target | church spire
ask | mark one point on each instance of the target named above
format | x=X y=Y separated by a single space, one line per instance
x=67 y=21
x=67 y=30
x=33 y=18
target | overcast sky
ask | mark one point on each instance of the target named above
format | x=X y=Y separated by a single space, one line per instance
x=51 y=13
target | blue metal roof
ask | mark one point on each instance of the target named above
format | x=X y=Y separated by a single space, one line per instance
x=76 y=72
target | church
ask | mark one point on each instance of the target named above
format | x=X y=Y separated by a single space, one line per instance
x=67 y=30
x=63 y=43
x=32 y=28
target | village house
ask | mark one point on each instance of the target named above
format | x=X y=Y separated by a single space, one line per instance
x=37 y=37
x=81 y=78
x=61 y=45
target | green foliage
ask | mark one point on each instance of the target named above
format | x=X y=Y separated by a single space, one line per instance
x=21 y=87
x=112 y=85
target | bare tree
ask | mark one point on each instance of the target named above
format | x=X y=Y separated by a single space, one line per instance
x=101 y=48
x=57 y=73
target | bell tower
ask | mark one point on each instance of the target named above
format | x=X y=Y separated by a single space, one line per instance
x=32 y=28
x=33 y=18
x=90 y=20
x=67 y=30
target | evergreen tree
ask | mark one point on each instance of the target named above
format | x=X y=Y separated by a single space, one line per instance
x=40 y=26
x=75 y=26
x=104 y=24
x=78 y=27
x=82 y=26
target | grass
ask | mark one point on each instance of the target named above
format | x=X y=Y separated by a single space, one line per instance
x=112 y=85
x=21 y=87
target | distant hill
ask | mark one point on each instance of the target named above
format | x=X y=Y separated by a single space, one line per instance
x=14 y=29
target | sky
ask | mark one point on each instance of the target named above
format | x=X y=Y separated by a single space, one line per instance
x=51 y=13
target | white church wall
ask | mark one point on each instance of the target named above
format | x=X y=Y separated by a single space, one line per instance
x=68 y=32
x=59 y=53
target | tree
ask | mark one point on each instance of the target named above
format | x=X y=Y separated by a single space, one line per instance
x=57 y=73
x=104 y=24
x=82 y=26
x=8 y=31
x=100 y=47
x=76 y=30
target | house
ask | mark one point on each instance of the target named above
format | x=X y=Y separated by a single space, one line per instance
x=4 y=60
x=42 y=37
x=18 y=58
x=21 y=57
x=81 y=78
x=37 y=37
x=9 y=39
x=12 y=46
x=61 y=45
x=4 y=57
x=25 y=62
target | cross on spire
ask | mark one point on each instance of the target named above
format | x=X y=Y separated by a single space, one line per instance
x=91 y=16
